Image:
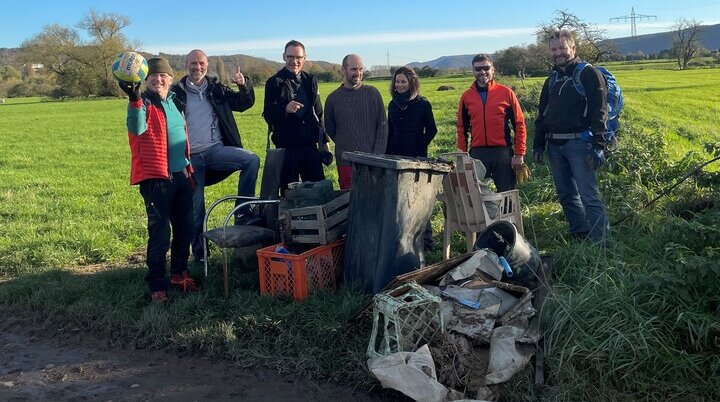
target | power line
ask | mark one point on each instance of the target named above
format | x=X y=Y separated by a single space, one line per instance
x=633 y=18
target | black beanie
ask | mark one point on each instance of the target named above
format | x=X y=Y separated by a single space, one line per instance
x=159 y=65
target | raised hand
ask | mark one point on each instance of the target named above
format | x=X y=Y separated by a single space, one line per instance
x=131 y=89
x=239 y=78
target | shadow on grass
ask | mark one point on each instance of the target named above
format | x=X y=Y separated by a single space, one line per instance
x=320 y=337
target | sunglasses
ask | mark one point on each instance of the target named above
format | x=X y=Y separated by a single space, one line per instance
x=482 y=68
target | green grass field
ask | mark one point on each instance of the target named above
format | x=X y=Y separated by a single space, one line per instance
x=638 y=321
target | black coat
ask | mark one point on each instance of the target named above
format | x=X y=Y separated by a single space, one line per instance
x=563 y=110
x=411 y=129
x=224 y=101
x=291 y=130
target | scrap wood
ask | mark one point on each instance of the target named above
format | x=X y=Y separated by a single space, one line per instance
x=430 y=274
x=427 y=275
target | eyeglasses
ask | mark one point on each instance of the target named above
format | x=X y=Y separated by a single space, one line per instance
x=289 y=57
x=482 y=68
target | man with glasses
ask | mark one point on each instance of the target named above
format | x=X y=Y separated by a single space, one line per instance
x=294 y=114
x=487 y=115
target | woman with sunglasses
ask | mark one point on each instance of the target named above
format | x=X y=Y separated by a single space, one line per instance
x=411 y=124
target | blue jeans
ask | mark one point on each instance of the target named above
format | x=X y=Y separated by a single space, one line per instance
x=220 y=158
x=167 y=202
x=577 y=189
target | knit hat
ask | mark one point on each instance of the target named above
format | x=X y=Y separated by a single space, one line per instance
x=159 y=65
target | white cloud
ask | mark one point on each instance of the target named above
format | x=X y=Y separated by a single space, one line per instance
x=341 y=40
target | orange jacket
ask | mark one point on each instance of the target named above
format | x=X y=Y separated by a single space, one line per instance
x=489 y=124
x=149 y=154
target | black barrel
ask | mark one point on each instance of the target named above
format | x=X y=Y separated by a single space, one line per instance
x=391 y=201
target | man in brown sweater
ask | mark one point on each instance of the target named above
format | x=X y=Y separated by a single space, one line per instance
x=355 y=118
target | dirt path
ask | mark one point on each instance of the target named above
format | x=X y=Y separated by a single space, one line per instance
x=34 y=367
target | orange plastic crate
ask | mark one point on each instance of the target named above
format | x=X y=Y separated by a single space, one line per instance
x=297 y=275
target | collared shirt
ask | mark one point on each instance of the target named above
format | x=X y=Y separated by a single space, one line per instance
x=201 y=118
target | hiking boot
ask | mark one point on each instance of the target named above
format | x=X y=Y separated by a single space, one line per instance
x=158 y=297
x=184 y=283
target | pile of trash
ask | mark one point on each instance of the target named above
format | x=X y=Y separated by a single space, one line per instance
x=456 y=330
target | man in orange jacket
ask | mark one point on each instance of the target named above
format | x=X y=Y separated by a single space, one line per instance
x=487 y=115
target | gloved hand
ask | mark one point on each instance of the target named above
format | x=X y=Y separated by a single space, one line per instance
x=132 y=90
x=326 y=157
x=538 y=156
x=595 y=158
x=522 y=174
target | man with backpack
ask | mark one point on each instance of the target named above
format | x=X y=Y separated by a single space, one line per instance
x=572 y=122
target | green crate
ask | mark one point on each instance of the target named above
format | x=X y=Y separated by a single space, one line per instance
x=404 y=319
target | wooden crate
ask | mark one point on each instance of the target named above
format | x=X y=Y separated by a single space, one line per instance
x=321 y=224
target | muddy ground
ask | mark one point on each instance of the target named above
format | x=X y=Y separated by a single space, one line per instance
x=34 y=366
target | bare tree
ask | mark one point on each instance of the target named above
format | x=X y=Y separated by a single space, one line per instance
x=82 y=68
x=686 y=41
x=590 y=41
x=221 y=71
x=107 y=42
x=54 y=48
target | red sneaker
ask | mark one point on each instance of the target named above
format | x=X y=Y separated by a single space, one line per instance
x=158 y=297
x=184 y=282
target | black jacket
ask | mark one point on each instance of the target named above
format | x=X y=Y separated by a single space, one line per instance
x=288 y=129
x=411 y=129
x=224 y=101
x=562 y=109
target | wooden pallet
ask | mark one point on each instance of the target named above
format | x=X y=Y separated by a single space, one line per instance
x=321 y=224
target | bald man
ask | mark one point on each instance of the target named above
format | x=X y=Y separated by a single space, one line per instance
x=355 y=117
x=215 y=146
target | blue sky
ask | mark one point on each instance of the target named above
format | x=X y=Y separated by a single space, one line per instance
x=408 y=30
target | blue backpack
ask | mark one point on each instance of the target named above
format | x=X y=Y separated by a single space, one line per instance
x=614 y=94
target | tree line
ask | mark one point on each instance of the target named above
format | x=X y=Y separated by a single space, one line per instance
x=59 y=64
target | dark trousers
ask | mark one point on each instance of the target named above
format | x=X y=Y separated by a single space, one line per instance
x=497 y=161
x=167 y=202
x=301 y=163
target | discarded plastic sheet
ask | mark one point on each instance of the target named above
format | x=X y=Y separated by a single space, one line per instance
x=413 y=374
x=507 y=355
x=484 y=260
x=507 y=301
x=466 y=297
x=519 y=314
x=478 y=324
x=491 y=265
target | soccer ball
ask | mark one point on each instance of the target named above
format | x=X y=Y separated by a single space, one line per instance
x=130 y=67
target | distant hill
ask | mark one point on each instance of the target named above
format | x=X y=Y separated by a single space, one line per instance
x=446 y=62
x=257 y=67
x=648 y=44
x=656 y=43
